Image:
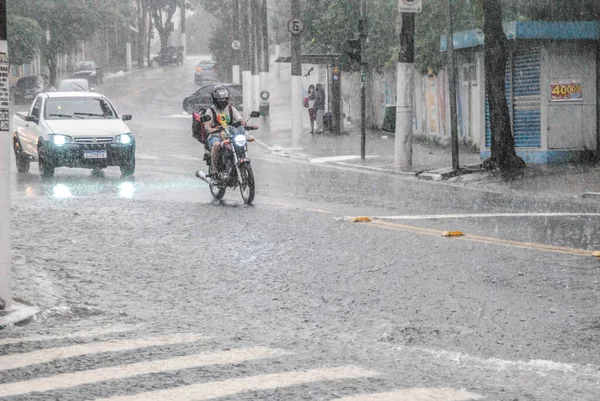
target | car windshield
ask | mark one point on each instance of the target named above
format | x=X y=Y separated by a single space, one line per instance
x=80 y=108
x=79 y=85
x=86 y=66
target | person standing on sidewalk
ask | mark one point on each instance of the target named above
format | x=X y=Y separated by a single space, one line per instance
x=312 y=111
x=320 y=106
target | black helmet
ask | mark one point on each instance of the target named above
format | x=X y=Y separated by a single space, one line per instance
x=220 y=97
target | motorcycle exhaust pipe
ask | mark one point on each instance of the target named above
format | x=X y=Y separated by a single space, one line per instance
x=202 y=175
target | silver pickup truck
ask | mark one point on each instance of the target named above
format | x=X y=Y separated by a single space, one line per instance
x=72 y=129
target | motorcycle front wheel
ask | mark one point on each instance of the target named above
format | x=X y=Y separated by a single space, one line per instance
x=217 y=192
x=247 y=186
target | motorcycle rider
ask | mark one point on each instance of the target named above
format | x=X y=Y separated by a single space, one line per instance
x=221 y=106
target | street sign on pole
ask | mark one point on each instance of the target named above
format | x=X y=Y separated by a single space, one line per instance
x=236 y=45
x=410 y=6
x=296 y=26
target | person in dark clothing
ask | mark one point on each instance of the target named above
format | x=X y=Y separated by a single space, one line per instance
x=320 y=106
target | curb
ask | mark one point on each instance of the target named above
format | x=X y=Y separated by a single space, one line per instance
x=18 y=313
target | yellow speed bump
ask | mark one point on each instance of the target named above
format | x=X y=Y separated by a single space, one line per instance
x=360 y=219
x=596 y=254
x=453 y=234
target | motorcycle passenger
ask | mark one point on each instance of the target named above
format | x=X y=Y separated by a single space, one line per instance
x=220 y=98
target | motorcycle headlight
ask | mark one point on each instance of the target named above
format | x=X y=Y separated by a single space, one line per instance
x=240 y=140
x=60 y=140
x=125 y=139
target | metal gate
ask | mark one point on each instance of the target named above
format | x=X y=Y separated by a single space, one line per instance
x=523 y=96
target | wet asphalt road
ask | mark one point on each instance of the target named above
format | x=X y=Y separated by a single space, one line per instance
x=509 y=312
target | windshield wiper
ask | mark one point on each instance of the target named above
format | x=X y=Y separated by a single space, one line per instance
x=63 y=115
x=92 y=115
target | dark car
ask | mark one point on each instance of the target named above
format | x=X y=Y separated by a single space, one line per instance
x=206 y=73
x=201 y=99
x=88 y=70
x=28 y=88
x=169 y=55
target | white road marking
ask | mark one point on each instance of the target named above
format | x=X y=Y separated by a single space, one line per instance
x=417 y=394
x=320 y=160
x=225 y=388
x=483 y=215
x=79 y=334
x=68 y=380
x=145 y=157
x=182 y=115
x=15 y=361
x=185 y=157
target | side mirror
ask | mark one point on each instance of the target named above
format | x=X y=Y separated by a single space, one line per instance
x=126 y=117
x=255 y=114
x=31 y=119
x=205 y=118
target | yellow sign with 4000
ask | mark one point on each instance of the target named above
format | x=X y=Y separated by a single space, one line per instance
x=565 y=91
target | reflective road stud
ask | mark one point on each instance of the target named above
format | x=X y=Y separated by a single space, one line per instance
x=453 y=234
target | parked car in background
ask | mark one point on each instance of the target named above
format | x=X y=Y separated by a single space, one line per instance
x=72 y=130
x=206 y=72
x=201 y=99
x=170 y=55
x=27 y=88
x=88 y=70
x=74 y=85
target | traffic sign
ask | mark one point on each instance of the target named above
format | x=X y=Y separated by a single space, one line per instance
x=236 y=45
x=296 y=26
x=410 y=6
x=264 y=95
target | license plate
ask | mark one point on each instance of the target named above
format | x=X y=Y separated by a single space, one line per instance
x=94 y=154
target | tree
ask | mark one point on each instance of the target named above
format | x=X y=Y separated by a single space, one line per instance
x=162 y=12
x=68 y=22
x=24 y=39
x=504 y=155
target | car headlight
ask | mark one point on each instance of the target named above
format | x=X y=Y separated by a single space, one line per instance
x=240 y=140
x=60 y=140
x=125 y=139
x=93 y=73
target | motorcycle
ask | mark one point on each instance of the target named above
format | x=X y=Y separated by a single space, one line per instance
x=234 y=165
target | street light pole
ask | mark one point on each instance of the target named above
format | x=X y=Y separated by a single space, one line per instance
x=362 y=32
x=405 y=90
x=183 y=35
x=452 y=87
x=236 y=39
x=5 y=236
x=246 y=62
x=296 y=73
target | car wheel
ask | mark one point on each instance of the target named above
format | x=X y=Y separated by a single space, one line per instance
x=128 y=166
x=45 y=164
x=23 y=162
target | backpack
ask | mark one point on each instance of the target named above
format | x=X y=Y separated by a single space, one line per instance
x=198 y=129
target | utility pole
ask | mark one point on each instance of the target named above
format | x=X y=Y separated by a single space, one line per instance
x=183 y=35
x=246 y=62
x=257 y=46
x=5 y=236
x=264 y=75
x=405 y=85
x=452 y=87
x=296 y=27
x=362 y=32
x=235 y=44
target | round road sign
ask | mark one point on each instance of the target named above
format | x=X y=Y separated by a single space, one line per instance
x=264 y=95
x=296 y=26
x=236 y=44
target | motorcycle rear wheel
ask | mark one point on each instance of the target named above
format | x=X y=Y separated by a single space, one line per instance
x=217 y=192
x=247 y=188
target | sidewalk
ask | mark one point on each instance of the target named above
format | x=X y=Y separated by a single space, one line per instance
x=558 y=181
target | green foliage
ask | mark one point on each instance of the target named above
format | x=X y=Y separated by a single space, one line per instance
x=24 y=39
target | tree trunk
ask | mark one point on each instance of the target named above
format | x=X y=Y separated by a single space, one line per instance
x=496 y=51
x=141 y=33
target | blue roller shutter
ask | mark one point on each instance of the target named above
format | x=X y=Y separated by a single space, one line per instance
x=522 y=85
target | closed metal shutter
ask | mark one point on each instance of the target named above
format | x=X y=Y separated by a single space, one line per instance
x=523 y=85
x=508 y=89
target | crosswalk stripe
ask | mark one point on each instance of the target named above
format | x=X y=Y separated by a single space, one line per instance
x=417 y=394
x=79 y=334
x=67 y=380
x=225 y=388
x=15 y=361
